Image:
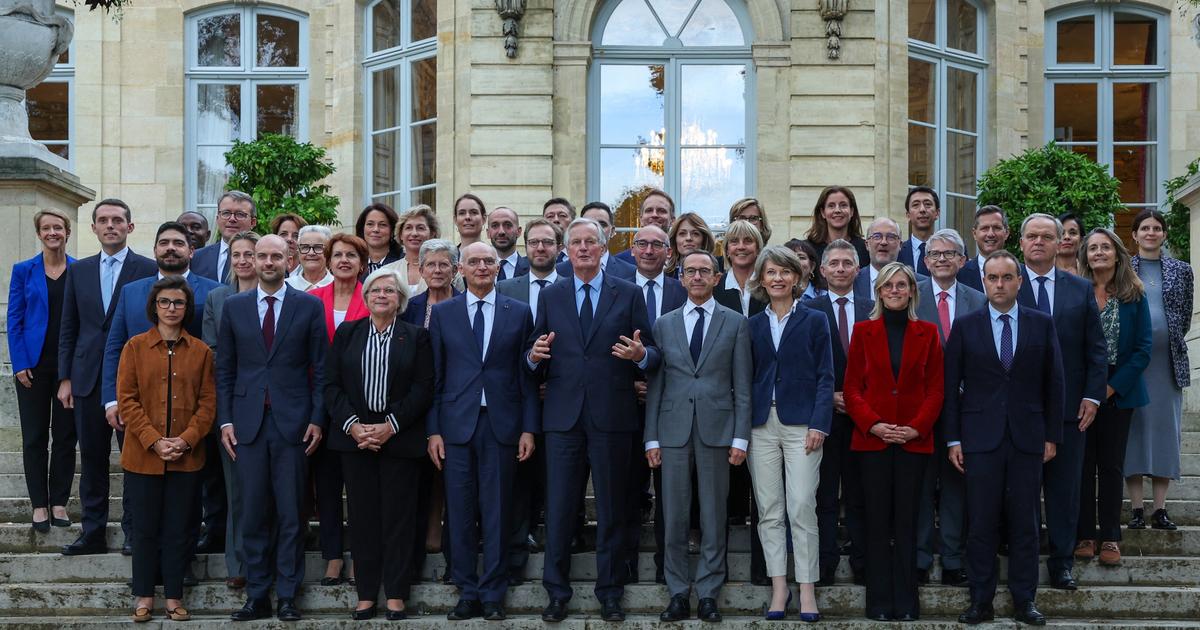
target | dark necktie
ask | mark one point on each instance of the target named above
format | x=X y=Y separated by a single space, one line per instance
x=225 y=270
x=920 y=266
x=1043 y=301
x=585 y=312
x=651 y=302
x=1006 y=343
x=697 y=336
x=843 y=324
x=268 y=330
x=503 y=266
x=477 y=326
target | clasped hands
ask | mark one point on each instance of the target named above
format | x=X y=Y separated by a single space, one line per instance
x=893 y=433
x=170 y=449
x=371 y=437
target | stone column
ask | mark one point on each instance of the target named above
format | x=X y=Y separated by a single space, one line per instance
x=1189 y=196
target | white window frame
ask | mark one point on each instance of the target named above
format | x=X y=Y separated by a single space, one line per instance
x=403 y=55
x=249 y=76
x=1105 y=75
x=65 y=73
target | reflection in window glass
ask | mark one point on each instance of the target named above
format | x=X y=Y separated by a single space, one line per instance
x=276 y=109
x=49 y=107
x=625 y=172
x=672 y=13
x=218 y=113
x=1076 y=40
x=961 y=25
x=278 y=41
x=961 y=163
x=424 y=89
x=211 y=174
x=1134 y=111
x=962 y=112
x=424 y=151
x=922 y=20
x=637 y=96
x=385 y=25
x=921 y=141
x=632 y=24
x=713 y=102
x=1134 y=168
x=424 y=19
x=1136 y=39
x=1075 y=117
x=712 y=24
x=219 y=41
x=921 y=91
x=711 y=179
x=385 y=98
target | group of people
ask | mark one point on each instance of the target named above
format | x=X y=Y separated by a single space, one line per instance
x=458 y=395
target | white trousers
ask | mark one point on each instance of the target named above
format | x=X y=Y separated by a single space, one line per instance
x=774 y=449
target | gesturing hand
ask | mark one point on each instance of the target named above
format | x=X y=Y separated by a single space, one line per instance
x=631 y=349
x=541 y=349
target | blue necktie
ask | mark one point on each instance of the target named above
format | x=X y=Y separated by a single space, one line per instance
x=697 y=337
x=106 y=282
x=1043 y=296
x=920 y=266
x=1006 y=343
x=225 y=268
x=503 y=275
x=477 y=326
x=585 y=312
x=651 y=302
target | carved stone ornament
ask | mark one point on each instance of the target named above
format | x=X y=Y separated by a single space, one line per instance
x=32 y=37
x=832 y=11
x=511 y=11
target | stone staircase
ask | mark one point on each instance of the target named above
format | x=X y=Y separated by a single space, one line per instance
x=1157 y=586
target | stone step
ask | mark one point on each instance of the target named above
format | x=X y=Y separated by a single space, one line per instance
x=1103 y=602
x=1190 y=443
x=10 y=464
x=1191 y=422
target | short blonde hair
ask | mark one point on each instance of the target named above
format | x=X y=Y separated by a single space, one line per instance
x=383 y=273
x=884 y=276
x=740 y=229
x=51 y=212
x=779 y=255
x=422 y=211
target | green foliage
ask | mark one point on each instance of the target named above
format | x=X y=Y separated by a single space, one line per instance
x=1052 y=180
x=282 y=174
x=1179 y=229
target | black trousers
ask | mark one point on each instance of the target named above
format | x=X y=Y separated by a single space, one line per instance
x=891 y=481
x=525 y=505
x=840 y=473
x=95 y=445
x=214 y=504
x=429 y=477
x=382 y=497
x=1103 y=482
x=741 y=501
x=161 y=529
x=47 y=477
x=328 y=480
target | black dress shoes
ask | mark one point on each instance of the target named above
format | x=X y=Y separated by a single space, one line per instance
x=1159 y=520
x=1063 y=580
x=494 y=611
x=1139 y=519
x=678 y=610
x=465 y=609
x=1028 y=613
x=922 y=576
x=127 y=548
x=977 y=614
x=555 y=611
x=254 y=609
x=84 y=547
x=708 y=610
x=395 y=615
x=60 y=522
x=363 y=614
x=954 y=577
x=881 y=617
x=610 y=610
x=288 y=611
x=906 y=617
x=42 y=527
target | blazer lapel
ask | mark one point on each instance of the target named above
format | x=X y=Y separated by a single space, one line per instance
x=499 y=320
x=285 y=319
x=1024 y=328
x=908 y=354
x=607 y=297
x=681 y=336
x=1059 y=290
x=714 y=329
x=251 y=315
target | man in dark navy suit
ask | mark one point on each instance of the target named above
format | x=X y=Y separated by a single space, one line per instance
x=991 y=233
x=1070 y=300
x=90 y=299
x=599 y=212
x=658 y=209
x=560 y=212
x=485 y=413
x=235 y=213
x=1003 y=417
x=599 y=331
x=922 y=208
x=504 y=230
x=271 y=411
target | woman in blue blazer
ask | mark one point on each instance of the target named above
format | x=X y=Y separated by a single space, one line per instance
x=35 y=305
x=1125 y=318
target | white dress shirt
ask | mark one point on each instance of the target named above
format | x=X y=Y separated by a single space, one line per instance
x=1033 y=285
x=489 y=315
x=535 y=291
x=833 y=298
x=743 y=294
x=874 y=273
x=511 y=261
x=658 y=289
x=222 y=256
x=262 y=304
x=951 y=294
x=997 y=332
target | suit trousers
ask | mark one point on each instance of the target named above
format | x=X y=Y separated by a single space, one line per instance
x=1002 y=484
x=786 y=478
x=329 y=484
x=568 y=456
x=95 y=446
x=1103 y=484
x=235 y=551
x=428 y=479
x=711 y=466
x=215 y=504
x=892 y=491
x=741 y=501
x=521 y=516
x=942 y=490
x=161 y=529
x=1061 y=481
x=840 y=471
x=381 y=497
x=639 y=481
x=479 y=481
x=272 y=472
x=48 y=478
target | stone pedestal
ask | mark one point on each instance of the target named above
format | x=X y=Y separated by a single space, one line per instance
x=1189 y=196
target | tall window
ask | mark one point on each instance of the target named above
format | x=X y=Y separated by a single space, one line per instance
x=1106 y=82
x=401 y=113
x=946 y=66
x=49 y=103
x=671 y=91
x=247 y=74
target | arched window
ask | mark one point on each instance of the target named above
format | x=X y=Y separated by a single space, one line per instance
x=247 y=74
x=48 y=104
x=400 y=63
x=1106 y=89
x=946 y=66
x=671 y=102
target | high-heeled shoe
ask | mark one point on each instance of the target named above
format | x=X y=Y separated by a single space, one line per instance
x=808 y=617
x=778 y=615
x=42 y=527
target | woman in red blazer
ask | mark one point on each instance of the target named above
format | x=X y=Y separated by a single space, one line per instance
x=893 y=392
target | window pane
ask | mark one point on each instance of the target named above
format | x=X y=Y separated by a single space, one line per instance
x=1083 y=149
x=427 y=196
x=277 y=111
x=960 y=163
x=385 y=25
x=1134 y=168
x=424 y=19
x=1136 y=40
x=632 y=24
x=218 y=113
x=1077 y=40
x=921 y=91
x=278 y=42
x=922 y=20
x=961 y=23
x=48 y=105
x=424 y=89
x=1134 y=111
x=219 y=40
x=960 y=99
x=710 y=179
x=385 y=162
x=672 y=13
x=624 y=172
x=211 y=173
x=385 y=98
x=631 y=104
x=61 y=150
x=960 y=213
x=1075 y=112
x=424 y=151
x=920 y=155
x=714 y=104
x=713 y=24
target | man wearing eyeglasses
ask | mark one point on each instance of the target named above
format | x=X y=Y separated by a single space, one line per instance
x=883 y=243
x=235 y=213
x=657 y=209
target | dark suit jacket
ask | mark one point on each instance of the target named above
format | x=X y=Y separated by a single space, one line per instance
x=461 y=376
x=626 y=256
x=862 y=312
x=1080 y=338
x=730 y=299
x=521 y=269
x=1026 y=402
x=410 y=386
x=800 y=372
x=615 y=268
x=1134 y=341
x=414 y=313
x=970 y=274
x=908 y=257
x=204 y=261
x=583 y=379
x=673 y=295
x=966 y=300
x=85 y=323
x=293 y=370
x=28 y=312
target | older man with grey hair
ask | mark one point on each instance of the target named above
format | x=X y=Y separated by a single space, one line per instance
x=236 y=212
x=883 y=244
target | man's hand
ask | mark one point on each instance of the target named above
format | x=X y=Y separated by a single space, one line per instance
x=26 y=378
x=437 y=450
x=839 y=402
x=541 y=391
x=229 y=440
x=956 y=457
x=525 y=447
x=736 y=456
x=380 y=433
x=312 y=436
x=1087 y=414
x=813 y=441
x=114 y=418
x=64 y=394
x=639 y=388
x=1051 y=451
x=1109 y=391
x=631 y=349
x=541 y=349
x=654 y=457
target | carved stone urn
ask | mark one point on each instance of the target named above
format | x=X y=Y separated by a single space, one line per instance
x=32 y=37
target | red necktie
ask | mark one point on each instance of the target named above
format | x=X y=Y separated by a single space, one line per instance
x=268 y=330
x=944 y=314
x=843 y=324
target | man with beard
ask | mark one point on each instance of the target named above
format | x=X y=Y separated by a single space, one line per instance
x=503 y=229
x=197 y=226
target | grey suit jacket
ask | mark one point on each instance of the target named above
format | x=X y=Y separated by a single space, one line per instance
x=516 y=288
x=715 y=393
x=966 y=300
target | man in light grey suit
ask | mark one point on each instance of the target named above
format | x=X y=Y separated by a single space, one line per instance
x=543 y=241
x=698 y=411
x=943 y=300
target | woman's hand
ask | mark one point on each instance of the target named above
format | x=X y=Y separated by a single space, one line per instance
x=362 y=437
x=380 y=433
x=25 y=377
x=813 y=441
x=166 y=450
x=906 y=434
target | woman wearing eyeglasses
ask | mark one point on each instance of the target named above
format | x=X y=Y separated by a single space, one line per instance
x=751 y=211
x=313 y=272
x=167 y=398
